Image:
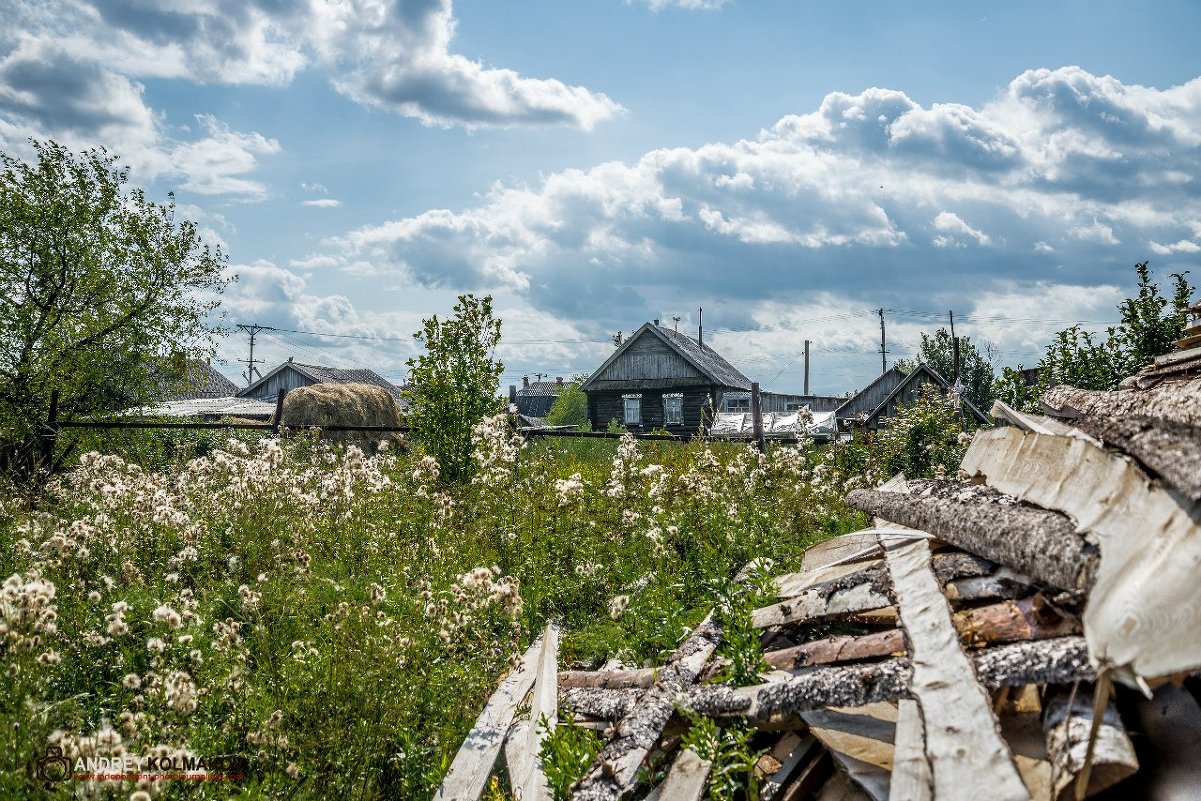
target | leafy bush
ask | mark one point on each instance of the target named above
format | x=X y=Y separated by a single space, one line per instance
x=570 y=408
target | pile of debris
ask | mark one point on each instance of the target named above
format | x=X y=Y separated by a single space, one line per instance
x=1032 y=631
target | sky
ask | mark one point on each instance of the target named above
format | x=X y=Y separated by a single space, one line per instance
x=791 y=167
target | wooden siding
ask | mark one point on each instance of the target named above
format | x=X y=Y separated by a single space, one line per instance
x=606 y=405
x=648 y=358
x=908 y=396
x=873 y=395
x=288 y=379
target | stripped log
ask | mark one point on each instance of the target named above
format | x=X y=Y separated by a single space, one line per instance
x=526 y=771
x=963 y=737
x=1067 y=730
x=1041 y=544
x=1167 y=448
x=1145 y=606
x=859 y=592
x=469 y=771
x=685 y=781
x=1176 y=400
x=911 y=777
x=1010 y=621
x=1057 y=661
x=615 y=768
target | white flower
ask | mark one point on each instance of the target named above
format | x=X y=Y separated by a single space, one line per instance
x=618 y=605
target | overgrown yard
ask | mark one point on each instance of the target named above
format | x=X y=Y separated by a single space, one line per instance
x=339 y=619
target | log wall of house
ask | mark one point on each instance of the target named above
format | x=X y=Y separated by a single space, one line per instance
x=607 y=404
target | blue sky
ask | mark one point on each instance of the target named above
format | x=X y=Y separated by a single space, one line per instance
x=789 y=166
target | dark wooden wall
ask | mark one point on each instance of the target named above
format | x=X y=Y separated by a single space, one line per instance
x=607 y=404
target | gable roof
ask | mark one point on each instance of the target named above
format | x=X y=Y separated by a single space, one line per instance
x=926 y=370
x=706 y=360
x=891 y=378
x=197 y=380
x=321 y=374
x=541 y=389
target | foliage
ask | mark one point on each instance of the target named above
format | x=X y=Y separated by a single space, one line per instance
x=101 y=290
x=927 y=438
x=570 y=408
x=732 y=775
x=741 y=644
x=1150 y=324
x=340 y=619
x=976 y=372
x=567 y=753
x=452 y=385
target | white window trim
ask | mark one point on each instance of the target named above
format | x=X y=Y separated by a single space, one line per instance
x=673 y=396
x=625 y=399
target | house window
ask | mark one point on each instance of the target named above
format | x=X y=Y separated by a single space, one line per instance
x=673 y=409
x=795 y=406
x=736 y=403
x=631 y=410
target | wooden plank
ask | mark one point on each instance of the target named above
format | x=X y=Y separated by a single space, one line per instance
x=615 y=768
x=1041 y=544
x=967 y=756
x=525 y=766
x=1144 y=610
x=473 y=763
x=687 y=778
x=911 y=777
x=854 y=547
x=864 y=733
x=859 y=592
x=790 y=585
x=792 y=753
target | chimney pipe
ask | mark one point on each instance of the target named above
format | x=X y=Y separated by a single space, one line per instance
x=656 y=322
x=558 y=380
x=525 y=382
x=700 y=327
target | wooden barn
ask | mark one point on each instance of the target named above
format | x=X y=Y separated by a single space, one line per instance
x=660 y=378
x=291 y=375
x=880 y=399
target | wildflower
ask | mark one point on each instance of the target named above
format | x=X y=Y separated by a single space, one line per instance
x=618 y=605
x=292 y=770
x=376 y=593
x=131 y=681
x=156 y=645
x=165 y=614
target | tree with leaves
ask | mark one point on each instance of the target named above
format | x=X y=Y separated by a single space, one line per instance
x=1150 y=325
x=99 y=288
x=976 y=372
x=453 y=384
x=571 y=407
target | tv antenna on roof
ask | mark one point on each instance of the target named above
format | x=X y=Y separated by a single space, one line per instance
x=677 y=319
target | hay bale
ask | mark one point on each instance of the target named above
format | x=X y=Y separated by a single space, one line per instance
x=324 y=405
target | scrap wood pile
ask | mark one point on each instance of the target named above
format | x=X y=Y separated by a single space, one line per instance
x=1030 y=632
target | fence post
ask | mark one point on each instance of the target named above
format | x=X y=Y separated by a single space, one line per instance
x=757 y=417
x=279 y=412
x=50 y=432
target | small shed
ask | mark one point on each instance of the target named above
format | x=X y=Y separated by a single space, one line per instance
x=892 y=390
x=660 y=378
x=292 y=375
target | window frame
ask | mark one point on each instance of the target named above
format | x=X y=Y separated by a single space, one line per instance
x=625 y=409
x=678 y=398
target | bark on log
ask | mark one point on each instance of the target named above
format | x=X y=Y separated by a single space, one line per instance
x=1167 y=448
x=615 y=768
x=1056 y=661
x=1067 y=730
x=1175 y=400
x=858 y=592
x=1043 y=545
x=1010 y=621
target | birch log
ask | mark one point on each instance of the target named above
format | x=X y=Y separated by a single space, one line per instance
x=1067 y=730
x=1175 y=400
x=1041 y=544
x=968 y=757
x=859 y=592
x=1167 y=448
x=1144 y=611
x=615 y=768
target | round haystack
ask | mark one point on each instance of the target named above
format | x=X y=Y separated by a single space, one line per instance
x=325 y=405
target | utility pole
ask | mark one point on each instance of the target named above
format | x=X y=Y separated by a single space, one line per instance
x=954 y=350
x=806 y=367
x=883 y=346
x=251 y=370
x=700 y=327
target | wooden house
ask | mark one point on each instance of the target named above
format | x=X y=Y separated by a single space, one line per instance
x=534 y=398
x=660 y=378
x=882 y=398
x=292 y=375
